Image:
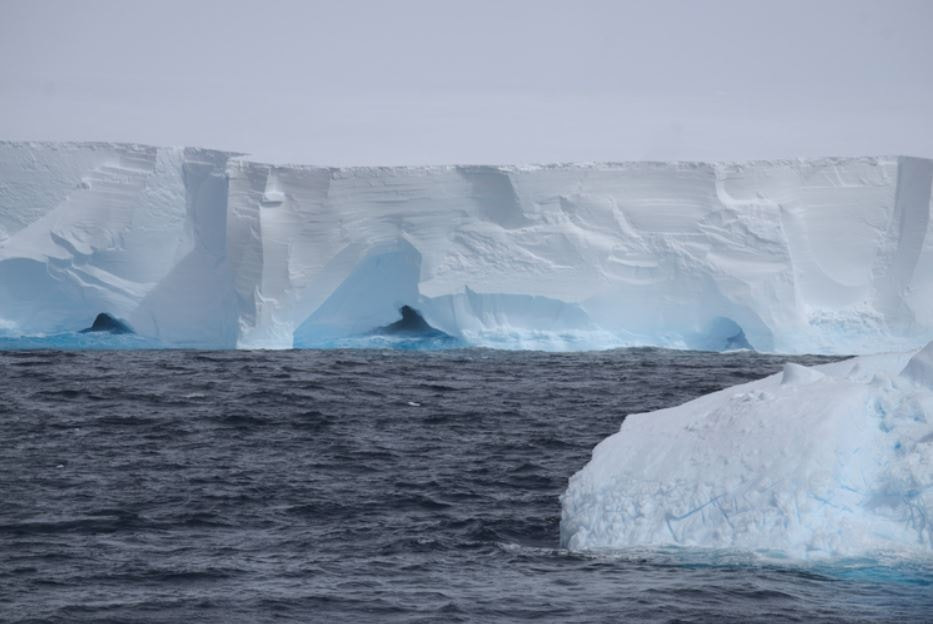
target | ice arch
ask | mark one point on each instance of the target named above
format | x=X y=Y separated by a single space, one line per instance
x=387 y=278
x=370 y=297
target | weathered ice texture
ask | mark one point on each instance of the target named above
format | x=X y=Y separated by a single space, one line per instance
x=201 y=247
x=835 y=460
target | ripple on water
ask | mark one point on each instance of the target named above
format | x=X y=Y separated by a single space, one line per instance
x=160 y=486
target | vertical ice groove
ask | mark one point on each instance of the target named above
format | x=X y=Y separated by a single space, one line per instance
x=902 y=242
x=246 y=184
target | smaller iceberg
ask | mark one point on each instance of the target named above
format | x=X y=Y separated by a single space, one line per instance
x=810 y=463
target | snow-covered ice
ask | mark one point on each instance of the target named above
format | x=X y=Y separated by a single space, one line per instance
x=835 y=460
x=200 y=247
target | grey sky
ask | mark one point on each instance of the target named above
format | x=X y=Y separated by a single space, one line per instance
x=419 y=81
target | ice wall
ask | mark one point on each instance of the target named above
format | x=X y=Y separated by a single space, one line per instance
x=203 y=247
x=133 y=230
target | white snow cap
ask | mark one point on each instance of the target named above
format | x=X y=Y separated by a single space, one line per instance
x=808 y=463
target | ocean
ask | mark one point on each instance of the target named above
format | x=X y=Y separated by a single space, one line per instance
x=365 y=486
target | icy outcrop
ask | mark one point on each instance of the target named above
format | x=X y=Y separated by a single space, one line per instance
x=108 y=324
x=831 y=461
x=200 y=247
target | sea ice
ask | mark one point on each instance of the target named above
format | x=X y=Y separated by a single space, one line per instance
x=835 y=460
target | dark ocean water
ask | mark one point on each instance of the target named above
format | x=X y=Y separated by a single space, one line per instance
x=363 y=486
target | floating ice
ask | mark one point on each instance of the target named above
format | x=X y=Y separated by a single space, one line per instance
x=201 y=247
x=830 y=461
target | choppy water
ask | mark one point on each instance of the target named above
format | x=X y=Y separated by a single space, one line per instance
x=362 y=486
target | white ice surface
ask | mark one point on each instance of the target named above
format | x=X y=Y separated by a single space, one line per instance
x=202 y=247
x=830 y=461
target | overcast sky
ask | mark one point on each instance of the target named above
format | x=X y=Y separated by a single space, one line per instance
x=479 y=81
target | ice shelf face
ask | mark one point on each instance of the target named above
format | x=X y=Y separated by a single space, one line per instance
x=830 y=461
x=207 y=248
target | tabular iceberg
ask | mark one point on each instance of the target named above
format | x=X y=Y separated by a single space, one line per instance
x=200 y=247
x=835 y=460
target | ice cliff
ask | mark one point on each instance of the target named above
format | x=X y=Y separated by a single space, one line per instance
x=200 y=247
x=810 y=463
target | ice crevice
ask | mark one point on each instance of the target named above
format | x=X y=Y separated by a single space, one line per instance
x=202 y=247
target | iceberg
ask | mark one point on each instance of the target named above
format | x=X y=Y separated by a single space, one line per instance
x=810 y=463
x=198 y=247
